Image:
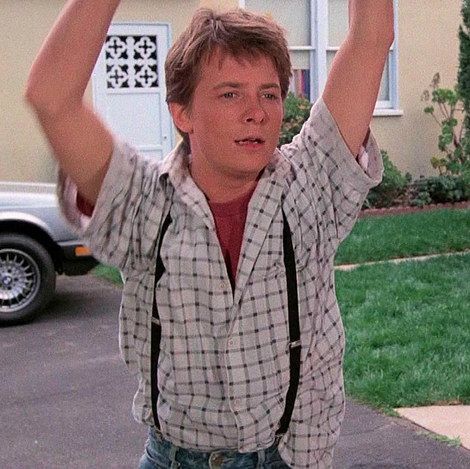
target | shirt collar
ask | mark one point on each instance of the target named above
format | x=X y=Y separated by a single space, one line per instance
x=176 y=165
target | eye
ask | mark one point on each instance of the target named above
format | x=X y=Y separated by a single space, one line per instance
x=229 y=95
x=270 y=96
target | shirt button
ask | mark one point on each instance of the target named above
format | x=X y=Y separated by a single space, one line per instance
x=232 y=342
x=223 y=285
x=237 y=404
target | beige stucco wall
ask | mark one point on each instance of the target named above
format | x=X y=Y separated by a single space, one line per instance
x=427 y=39
x=428 y=43
x=24 y=153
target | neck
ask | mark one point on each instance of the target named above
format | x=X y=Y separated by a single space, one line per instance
x=220 y=189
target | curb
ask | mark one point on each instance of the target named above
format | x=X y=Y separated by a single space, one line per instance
x=349 y=267
x=400 y=210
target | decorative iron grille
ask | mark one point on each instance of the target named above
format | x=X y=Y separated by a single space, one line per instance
x=131 y=62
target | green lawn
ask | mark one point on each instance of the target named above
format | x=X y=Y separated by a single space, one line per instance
x=408 y=332
x=415 y=234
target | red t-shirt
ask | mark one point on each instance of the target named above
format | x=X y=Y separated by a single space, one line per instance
x=230 y=218
x=85 y=207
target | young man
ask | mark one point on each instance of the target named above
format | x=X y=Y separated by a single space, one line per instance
x=229 y=315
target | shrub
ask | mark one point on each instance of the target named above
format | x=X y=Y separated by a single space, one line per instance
x=441 y=189
x=393 y=185
x=451 y=142
x=296 y=112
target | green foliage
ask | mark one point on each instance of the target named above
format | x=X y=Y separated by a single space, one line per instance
x=453 y=182
x=464 y=57
x=296 y=112
x=441 y=189
x=393 y=185
x=448 y=103
x=463 y=80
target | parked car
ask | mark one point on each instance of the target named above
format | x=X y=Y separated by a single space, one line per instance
x=36 y=244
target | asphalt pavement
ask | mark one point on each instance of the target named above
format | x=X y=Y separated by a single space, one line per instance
x=66 y=397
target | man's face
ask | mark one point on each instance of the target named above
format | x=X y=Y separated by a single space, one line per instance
x=234 y=119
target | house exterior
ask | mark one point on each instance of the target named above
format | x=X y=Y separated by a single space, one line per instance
x=426 y=43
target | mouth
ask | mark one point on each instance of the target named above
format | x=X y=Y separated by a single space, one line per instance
x=250 y=141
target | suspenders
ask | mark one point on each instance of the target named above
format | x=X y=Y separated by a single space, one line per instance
x=294 y=329
x=156 y=332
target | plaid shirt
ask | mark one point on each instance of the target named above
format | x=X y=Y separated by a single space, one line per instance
x=224 y=360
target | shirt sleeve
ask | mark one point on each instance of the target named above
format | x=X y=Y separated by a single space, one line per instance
x=124 y=224
x=338 y=180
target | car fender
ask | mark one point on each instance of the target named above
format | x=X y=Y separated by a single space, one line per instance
x=27 y=218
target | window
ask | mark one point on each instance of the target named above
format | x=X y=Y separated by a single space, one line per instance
x=315 y=30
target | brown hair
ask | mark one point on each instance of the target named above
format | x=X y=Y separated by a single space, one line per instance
x=237 y=32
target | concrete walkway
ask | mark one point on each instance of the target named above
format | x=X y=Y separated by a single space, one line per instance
x=451 y=421
x=370 y=440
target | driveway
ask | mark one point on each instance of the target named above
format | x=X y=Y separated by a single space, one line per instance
x=65 y=393
x=66 y=397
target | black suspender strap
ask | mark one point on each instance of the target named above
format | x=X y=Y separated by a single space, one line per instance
x=156 y=332
x=294 y=328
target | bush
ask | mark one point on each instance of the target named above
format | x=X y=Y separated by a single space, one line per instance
x=393 y=185
x=296 y=112
x=446 y=107
x=441 y=189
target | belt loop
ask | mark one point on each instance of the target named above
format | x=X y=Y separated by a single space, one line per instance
x=261 y=458
x=174 y=463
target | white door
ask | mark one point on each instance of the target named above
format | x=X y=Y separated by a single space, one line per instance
x=129 y=86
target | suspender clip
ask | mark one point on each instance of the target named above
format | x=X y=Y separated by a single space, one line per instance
x=295 y=344
x=156 y=321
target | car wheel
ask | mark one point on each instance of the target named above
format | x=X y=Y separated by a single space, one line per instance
x=27 y=278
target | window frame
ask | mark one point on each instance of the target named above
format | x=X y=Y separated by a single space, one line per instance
x=319 y=48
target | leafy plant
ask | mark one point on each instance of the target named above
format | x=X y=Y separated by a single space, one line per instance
x=453 y=105
x=296 y=112
x=441 y=189
x=448 y=104
x=393 y=185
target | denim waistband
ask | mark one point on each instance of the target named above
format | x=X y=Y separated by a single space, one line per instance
x=212 y=459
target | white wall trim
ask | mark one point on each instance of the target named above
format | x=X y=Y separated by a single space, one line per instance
x=388 y=112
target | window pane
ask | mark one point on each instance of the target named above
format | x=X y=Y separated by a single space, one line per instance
x=338 y=21
x=384 y=92
x=300 y=81
x=293 y=15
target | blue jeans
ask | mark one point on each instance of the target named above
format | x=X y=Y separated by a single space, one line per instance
x=161 y=454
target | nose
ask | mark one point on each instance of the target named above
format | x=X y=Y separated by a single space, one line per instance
x=254 y=112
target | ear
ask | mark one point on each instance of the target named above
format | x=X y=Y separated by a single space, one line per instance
x=181 y=117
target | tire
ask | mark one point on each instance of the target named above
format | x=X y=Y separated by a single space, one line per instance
x=27 y=278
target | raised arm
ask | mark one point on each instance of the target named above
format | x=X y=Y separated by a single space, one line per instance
x=81 y=142
x=354 y=81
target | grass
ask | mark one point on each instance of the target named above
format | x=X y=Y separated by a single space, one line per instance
x=108 y=273
x=408 y=330
x=414 y=234
x=454 y=442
